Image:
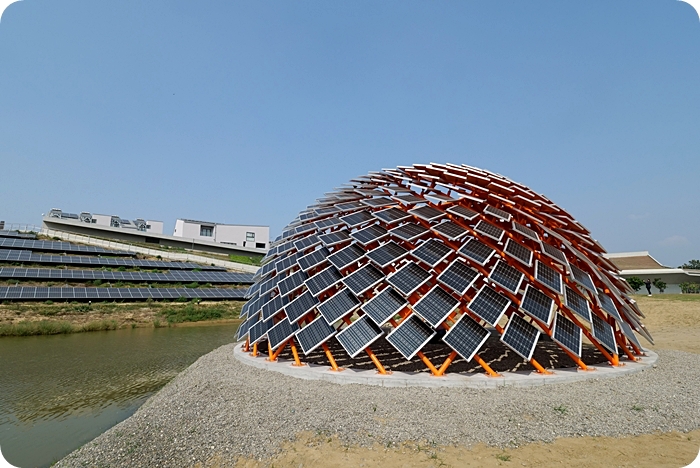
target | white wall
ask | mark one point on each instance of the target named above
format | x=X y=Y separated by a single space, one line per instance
x=156 y=227
x=102 y=220
x=224 y=233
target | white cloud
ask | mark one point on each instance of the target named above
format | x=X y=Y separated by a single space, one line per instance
x=675 y=241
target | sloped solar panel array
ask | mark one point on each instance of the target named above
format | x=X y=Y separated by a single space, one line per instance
x=16 y=234
x=137 y=276
x=56 y=246
x=40 y=293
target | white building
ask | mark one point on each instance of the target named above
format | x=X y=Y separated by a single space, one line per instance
x=139 y=224
x=257 y=237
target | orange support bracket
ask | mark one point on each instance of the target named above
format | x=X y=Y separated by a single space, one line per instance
x=269 y=352
x=538 y=367
x=453 y=355
x=246 y=346
x=376 y=362
x=297 y=362
x=429 y=364
x=329 y=355
x=273 y=356
x=255 y=350
x=486 y=367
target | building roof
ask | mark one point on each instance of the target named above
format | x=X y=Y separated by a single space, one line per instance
x=635 y=261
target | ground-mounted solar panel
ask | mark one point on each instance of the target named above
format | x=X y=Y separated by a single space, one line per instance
x=466 y=337
x=357 y=219
x=58 y=246
x=408 y=199
x=347 y=256
x=629 y=333
x=323 y=280
x=306 y=243
x=387 y=254
x=328 y=223
x=363 y=279
x=358 y=336
x=384 y=306
x=274 y=306
x=410 y=336
x=476 y=251
x=409 y=231
x=537 y=304
x=391 y=216
x=436 y=306
x=520 y=336
x=432 y=252
x=566 y=333
x=450 y=230
x=604 y=333
x=258 y=331
x=369 y=234
x=506 y=276
x=408 y=278
x=338 y=306
x=244 y=327
x=498 y=213
x=525 y=231
x=577 y=303
x=300 y=306
x=314 y=259
x=519 y=252
x=582 y=278
x=462 y=212
x=314 y=335
x=427 y=213
x=549 y=277
x=292 y=282
x=335 y=238
x=554 y=253
x=458 y=277
x=489 y=305
x=608 y=306
x=281 y=332
x=489 y=230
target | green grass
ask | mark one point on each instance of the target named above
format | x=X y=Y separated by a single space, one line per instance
x=197 y=313
x=674 y=297
x=254 y=260
x=53 y=327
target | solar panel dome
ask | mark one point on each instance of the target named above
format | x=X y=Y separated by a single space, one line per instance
x=438 y=255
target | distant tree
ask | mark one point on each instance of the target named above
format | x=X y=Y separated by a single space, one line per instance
x=635 y=282
x=660 y=285
x=691 y=265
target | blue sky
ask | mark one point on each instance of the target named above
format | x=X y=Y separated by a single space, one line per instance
x=245 y=112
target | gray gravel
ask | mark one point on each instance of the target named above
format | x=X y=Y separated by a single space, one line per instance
x=222 y=407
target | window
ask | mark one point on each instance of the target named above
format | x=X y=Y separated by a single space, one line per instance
x=250 y=237
x=206 y=231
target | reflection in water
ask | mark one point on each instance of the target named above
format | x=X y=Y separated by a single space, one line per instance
x=58 y=392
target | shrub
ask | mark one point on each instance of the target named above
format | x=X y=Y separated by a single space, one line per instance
x=635 y=282
x=690 y=288
x=660 y=285
x=691 y=265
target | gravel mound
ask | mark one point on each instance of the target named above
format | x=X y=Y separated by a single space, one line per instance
x=219 y=406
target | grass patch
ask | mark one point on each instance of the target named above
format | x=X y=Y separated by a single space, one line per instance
x=675 y=297
x=53 y=327
x=196 y=313
x=253 y=260
x=503 y=457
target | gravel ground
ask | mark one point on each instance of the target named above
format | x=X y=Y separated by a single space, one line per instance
x=221 y=407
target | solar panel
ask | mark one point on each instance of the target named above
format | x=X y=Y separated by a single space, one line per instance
x=300 y=306
x=410 y=336
x=489 y=305
x=327 y=210
x=466 y=337
x=577 y=303
x=334 y=238
x=609 y=306
x=347 y=256
x=477 y=251
x=427 y=213
x=554 y=253
x=626 y=329
x=489 y=230
x=363 y=279
x=259 y=331
x=537 y=304
x=338 y=306
x=548 y=276
x=518 y=252
x=306 y=243
x=242 y=330
x=387 y=254
x=504 y=215
x=369 y=234
x=436 y=306
x=604 y=333
x=350 y=206
x=408 y=278
x=432 y=252
x=525 y=231
x=378 y=202
x=323 y=280
x=506 y=276
x=438 y=197
x=408 y=199
x=520 y=336
x=304 y=228
x=271 y=308
x=292 y=283
x=566 y=333
x=582 y=278
x=357 y=219
x=408 y=231
x=286 y=263
x=391 y=215
x=281 y=332
x=327 y=223
x=313 y=259
x=385 y=305
x=462 y=212
x=314 y=335
x=358 y=336
x=56 y=246
x=458 y=277
x=450 y=230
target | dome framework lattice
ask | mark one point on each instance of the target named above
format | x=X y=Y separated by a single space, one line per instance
x=438 y=252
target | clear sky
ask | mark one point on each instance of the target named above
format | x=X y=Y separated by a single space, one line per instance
x=245 y=112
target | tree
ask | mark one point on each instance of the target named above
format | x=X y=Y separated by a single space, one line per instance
x=691 y=265
x=635 y=282
x=660 y=285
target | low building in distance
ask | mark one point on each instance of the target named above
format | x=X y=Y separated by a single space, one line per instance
x=644 y=266
x=235 y=234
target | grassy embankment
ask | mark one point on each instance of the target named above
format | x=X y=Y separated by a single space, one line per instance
x=26 y=319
